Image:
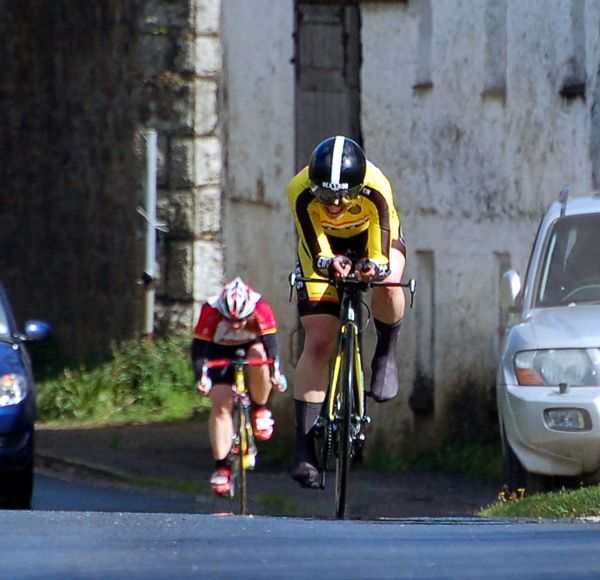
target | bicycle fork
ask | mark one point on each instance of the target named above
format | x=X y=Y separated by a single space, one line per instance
x=327 y=424
x=243 y=436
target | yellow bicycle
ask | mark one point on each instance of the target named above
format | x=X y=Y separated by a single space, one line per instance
x=242 y=456
x=340 y=428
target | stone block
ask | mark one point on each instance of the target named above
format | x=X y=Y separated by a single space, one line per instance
x=207 y=211
x=181 y=167
x=158 y=16
x=206 y=105
x=208 y=269
x=179 y=282
x=206 y=16
x=207 y=161
x=207 y=56
x=176 y=209
x=152 y=54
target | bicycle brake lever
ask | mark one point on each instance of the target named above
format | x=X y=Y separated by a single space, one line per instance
x=292 y=282
x=412 y=287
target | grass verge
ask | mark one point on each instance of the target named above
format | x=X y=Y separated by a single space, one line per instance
x=140 y=382
x=481 y=461
x=578 y=503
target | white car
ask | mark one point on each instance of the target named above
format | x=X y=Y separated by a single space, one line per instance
x=548 y=378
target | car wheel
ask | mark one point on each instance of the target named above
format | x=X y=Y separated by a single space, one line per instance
x=538 y=483
x=16 y=488
x=515 y=476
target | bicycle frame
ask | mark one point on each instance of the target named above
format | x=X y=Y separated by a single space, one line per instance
x=242 y=456
x=343 y=417
x=349 y=325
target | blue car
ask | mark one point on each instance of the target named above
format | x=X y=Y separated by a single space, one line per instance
x=17 y=407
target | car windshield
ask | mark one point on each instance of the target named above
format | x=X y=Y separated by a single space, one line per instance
x=571 y=267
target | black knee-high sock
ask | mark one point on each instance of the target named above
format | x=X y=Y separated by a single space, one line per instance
x=306 y=417
x=384 y=377
x=387 y=337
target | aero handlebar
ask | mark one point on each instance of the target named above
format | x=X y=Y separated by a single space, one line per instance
x=252 y=362
x=352 y=281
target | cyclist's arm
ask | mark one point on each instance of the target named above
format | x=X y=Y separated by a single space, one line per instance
x=267 y=329
x=310 y=231
x=384 y=225
x=200 y=353
x=271 y=345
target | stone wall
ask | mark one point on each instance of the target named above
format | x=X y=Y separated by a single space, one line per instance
x=68 y=166
x=81 y=86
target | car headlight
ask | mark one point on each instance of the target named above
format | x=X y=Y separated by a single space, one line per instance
x=572 y=366
x=13 y=389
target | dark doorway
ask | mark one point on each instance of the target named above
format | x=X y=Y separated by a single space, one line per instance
x=327 y=62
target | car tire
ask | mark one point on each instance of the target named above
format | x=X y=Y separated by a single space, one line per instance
x=17 y=488
x=538 y=483
x=517 y=480
x=515 y=476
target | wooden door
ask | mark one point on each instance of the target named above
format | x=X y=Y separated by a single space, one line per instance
x=327 y=63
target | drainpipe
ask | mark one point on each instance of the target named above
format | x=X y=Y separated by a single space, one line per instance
x=149 y=213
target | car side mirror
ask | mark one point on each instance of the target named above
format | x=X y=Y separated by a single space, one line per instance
x=510 y=289
x=37 y=330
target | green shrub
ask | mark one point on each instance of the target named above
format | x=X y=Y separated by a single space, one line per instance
x=142 y=380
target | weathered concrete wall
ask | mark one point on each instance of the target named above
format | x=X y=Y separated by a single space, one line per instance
x=478 y=111
x=462 y=109
x=258 y=123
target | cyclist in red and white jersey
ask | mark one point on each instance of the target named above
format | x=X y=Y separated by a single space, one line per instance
x=237 y=317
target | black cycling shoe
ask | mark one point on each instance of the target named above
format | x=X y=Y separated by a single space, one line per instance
x=306 y=474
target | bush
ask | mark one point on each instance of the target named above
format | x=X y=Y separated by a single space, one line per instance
x=141 y=380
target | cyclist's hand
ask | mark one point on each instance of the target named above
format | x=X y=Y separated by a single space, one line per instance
x=366 y=270
x=339 y=267
x=204 y=387
x=279 y=383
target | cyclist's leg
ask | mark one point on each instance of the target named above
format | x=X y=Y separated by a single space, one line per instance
x=220 y=422
x=260 y=389
x=318 y=308
x=388 y=310
x=312 y=378
x=259 y=376
x=220 y=430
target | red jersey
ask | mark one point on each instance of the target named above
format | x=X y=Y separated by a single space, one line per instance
x=212 y=327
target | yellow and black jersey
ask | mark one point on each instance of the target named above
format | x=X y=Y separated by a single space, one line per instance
x=372 y=217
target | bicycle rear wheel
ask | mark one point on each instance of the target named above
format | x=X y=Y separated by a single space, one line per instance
x=345 y=404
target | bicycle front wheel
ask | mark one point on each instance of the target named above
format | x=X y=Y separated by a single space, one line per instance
x=244 y=451
x=239 y=451
x=345 y=404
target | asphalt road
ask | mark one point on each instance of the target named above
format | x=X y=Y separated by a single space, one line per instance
x=129 y=546
x=56 y=494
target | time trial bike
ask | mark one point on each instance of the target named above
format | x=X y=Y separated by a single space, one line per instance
x=243 y=454
x=340 y=428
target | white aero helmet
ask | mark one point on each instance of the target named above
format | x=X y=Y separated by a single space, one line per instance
x=236 y=301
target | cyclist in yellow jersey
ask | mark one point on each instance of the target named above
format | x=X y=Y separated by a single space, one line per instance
x=343 y=207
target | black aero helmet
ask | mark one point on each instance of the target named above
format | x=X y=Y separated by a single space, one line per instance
x=337 y=171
